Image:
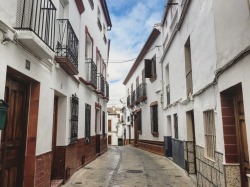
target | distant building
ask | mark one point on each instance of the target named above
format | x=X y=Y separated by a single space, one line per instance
x=53 y=76
x=195 y=107
x=115 y=126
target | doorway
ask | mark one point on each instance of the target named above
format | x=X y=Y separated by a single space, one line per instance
x=13 y=139
x=54 y=137
x=233 y=117
x=190 y=144
x=98 y=126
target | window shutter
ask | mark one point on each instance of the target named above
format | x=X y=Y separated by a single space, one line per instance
x=148 y=68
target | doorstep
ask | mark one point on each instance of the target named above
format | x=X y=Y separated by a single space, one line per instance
x=56 y=183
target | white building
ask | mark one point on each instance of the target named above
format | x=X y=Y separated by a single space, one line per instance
x=143 y=98
x=53 y=76
x=116 y=126
x=202 y=92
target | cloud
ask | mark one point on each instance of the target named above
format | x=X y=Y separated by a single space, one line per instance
x=132 y=21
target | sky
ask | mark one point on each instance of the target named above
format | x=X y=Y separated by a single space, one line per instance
x=132 y=22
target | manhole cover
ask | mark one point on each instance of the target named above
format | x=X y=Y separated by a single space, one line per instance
x=134 y=171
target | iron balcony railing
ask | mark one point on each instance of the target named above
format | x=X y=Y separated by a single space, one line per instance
x=38 y=16
x=168 y=94
x=128 y=101
x=91 y=71
x=100 y=83
x=141 y=92
x=107 y=89
x=67 y=44
x=133 y=97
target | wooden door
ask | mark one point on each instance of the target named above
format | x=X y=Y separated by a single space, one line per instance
x=109 y=126
x=98 y=146
x=54 y=137
x=242 y=138
x=14 y=135
x=136 y=135
x=109 y=140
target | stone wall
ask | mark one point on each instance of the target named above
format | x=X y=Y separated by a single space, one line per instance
x=209 y=173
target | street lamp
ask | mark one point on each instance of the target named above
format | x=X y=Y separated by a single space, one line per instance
x=3 y=113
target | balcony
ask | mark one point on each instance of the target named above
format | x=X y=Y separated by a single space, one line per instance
x=141 y=94
x=91 y=74
x=133 y=97
x=106 y=91
x=67 y=47
x=168 y=94
x=128 y=101
x=99 y=24
x=100 y=84
x=35 y=22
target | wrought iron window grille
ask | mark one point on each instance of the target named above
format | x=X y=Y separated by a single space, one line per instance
x=74 y=118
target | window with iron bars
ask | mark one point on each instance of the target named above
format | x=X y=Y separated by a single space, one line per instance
x=74 y=118
x=154 y=118
x=209 y=132
x=176 y=133
x=103 y=123
x=87 y=120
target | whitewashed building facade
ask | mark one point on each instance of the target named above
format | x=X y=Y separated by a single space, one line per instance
x=202 y=96
x=53 y=77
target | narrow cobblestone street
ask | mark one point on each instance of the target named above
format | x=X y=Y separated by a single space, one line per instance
x=130 y=167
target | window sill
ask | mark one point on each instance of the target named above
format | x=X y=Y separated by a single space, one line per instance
x=155 y=134
x=153 y=78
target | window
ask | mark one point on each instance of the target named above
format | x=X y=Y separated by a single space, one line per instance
x=91 y=2
x=98 y=60
x=104 y=70
x=87 y=120
x=188 y=68
x=139 y=121
x=154 y=118
x=74 y=118
x=168 y=85
x=209 y=132
x=89 y=45
x=150 y=69
x=103 y=124
x=176 y=133
x=80 y=6
x=99 y=19
x=143 y=80
x=128 y=119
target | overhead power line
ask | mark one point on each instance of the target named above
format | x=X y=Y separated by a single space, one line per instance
x=124 y=61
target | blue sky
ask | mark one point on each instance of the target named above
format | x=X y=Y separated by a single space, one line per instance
x=132 y=21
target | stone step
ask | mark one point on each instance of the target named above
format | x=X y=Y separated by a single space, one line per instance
x=56 y=183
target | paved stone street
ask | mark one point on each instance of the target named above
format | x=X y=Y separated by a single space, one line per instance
x=130 y=167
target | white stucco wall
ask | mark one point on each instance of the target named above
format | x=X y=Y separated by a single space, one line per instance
x=54 y=81
x=153 y=90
